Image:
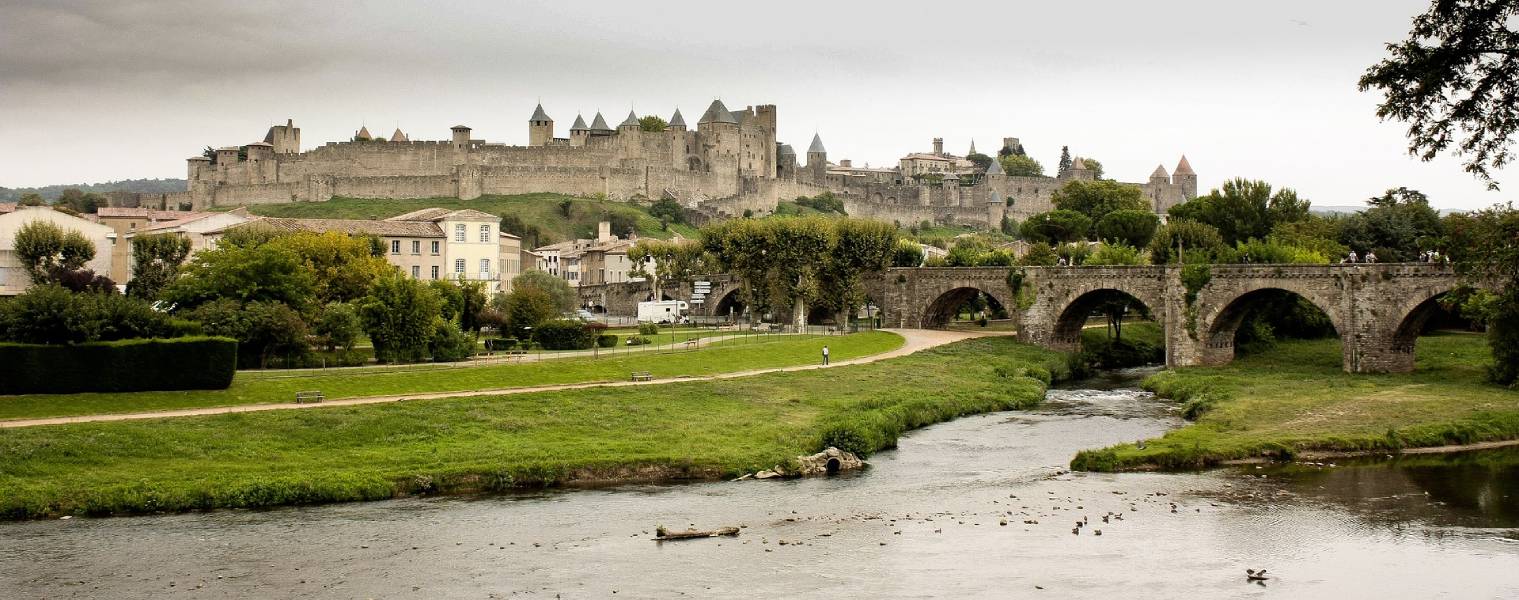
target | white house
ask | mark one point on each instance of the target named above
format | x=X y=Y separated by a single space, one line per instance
x=13 y=277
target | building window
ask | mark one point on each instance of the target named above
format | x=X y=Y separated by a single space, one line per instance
x=485 y=233
x=435 y=271
x=435 y=246
x=458 y=232
x=485 y=266
x=458 y=265
x=416 y=246
x=416 y=272
x=395 y=246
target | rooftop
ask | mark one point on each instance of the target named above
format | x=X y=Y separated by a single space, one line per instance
x=348 y=226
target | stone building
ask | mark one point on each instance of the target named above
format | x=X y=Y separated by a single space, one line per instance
x=591 y=261
x=730 y=164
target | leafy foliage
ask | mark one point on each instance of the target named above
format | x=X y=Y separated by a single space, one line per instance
x=668 y=211
x=156 y=259
x=259 y=273
x=1131 y=227
x=51 y=314
x=1021 y=165
x=1192 y=236
x=1096 y=199
x=564 y=334
x=1397 y=226
x=907 y=254
x=652 y=123
x=44 y=249
x=1056 y=226
x=525 y=307
x=338 y=326
x=558 y=290
x=1117 y=254
x=1243 y=209
x=1485 y=246
x=1455 y=80
x=449 y=343
x=263 y=329
x=122 y=366
x=399 y=315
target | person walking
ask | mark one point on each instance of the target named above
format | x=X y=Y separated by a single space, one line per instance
x=825 y=356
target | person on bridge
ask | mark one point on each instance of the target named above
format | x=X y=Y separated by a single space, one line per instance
x=825 y=356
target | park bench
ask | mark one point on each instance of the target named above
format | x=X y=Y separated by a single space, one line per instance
x=690 y=343
x=642 y=376
x=310 y=396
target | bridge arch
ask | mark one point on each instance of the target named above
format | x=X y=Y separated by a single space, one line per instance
x=1073 y=317
x=1218 y=326
x=730 y=305
x=942 y=309
x=1412 y=314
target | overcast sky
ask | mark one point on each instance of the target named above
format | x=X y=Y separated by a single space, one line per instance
x=96 y=91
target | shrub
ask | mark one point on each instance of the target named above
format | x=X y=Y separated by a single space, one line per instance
x=648 y=329
x=637 y=341
x=204 y=363
x=606 y=340
x=449 y=343
x=398 y=315
x=338 y=326
x=50 y=314
x=563 y=334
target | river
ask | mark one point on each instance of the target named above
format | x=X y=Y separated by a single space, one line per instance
x=925 y=520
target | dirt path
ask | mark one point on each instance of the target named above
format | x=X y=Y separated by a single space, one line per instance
x=914 y=340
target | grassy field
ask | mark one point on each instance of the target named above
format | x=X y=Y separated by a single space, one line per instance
x=666 y=432
x=535 y=209
x=1295 y=398
x=254 y=387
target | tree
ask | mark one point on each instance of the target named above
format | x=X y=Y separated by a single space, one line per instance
x=982 y=161
x=674 y=262
x=652 y=123
x=31 y=199
x=907 y=254
x=262 y=329
x=1096 y=199
x=565 y=207
x=341 y=266
x=532 y=235
x=860 y=247
x=1397 y=226
x=338 y=326
x=559 y=290
x=51 y=314
x=1095 y=166
x=1485 y=248
x=1243 y=209
x=1039 y=255
x=156 y=259
x=1021 y=165
x=460 y=302
x=399 y=315
x=1195 y=239
x=1455 y=80
x=525 y=308
x=80 y=202
x=1065 y=160
x=1056 y=226
x=1117 y=254
x=45 y=249
x=1132 y=227
x=266 y=273
x=668 y=210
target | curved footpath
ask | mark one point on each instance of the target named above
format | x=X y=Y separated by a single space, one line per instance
x=913 y=341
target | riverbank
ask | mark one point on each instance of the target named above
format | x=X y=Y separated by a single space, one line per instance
x=1294 y=401
x=679 y=431
x=255 y=387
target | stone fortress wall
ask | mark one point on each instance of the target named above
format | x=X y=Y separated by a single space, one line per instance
x=731 y=163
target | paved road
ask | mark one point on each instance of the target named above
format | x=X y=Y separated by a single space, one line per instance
x=914 y=340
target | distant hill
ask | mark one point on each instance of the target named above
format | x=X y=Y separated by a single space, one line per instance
x=1345 y=210
x=51 y=192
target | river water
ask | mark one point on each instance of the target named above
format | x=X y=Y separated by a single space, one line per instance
x=925 y=520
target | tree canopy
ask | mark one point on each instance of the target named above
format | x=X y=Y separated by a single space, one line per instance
x=1243 y=209
x=558 y=290
x=652 y=123
x=1056 y=226
x=1455 y=80
x=1132 y=227
x=156 y=259
x=45 y=250
x=1021 y=165
x=1096 y=199
x=1397 y=226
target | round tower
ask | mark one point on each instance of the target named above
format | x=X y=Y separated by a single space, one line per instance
x=1185 y=178
x=540 y=128
x=579 y=131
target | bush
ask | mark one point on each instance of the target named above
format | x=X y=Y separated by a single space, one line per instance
x=49 y=314
x=338 y=326
x=204 y=363
x=606 y=340
x=637 y=341
x=449 y=343
x=564 y=334
x=648 y=329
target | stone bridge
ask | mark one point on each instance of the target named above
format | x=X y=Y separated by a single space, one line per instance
x=1377 y=309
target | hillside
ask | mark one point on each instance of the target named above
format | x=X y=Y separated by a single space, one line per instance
x=51 y=192
x=544 y=211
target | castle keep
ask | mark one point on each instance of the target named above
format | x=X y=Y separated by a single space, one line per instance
x=731 y=162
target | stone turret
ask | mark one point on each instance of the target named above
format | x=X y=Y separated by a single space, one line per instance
x=972 y=147
x=677 y=122
x=398 y=136
x=995 y=168
x=461 y=136
x=286 y=138
x=1159 y=176
x=817 y=158
x=1184 y=177
x=938 y=146
x=579 y=131
x=540 y=128
x=599 y=125
x=362 y=134
x=630 y=124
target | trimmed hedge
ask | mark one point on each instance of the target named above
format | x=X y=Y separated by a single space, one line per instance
x=564 y=334
x=193 y=363
x=606 y=340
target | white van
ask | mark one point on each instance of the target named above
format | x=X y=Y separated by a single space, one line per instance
x=665 y=311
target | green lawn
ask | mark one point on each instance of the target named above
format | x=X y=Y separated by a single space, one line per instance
x=254 y=387
x=1295 y=397
x=673 y=431
x=534 y=209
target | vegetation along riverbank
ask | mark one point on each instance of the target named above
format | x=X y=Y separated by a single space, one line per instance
x=1294 y=399
x=679 y=431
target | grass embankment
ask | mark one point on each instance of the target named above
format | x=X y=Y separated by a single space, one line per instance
x=254 y=387
x=542 y=210
x=675 y=431
x=1295 y=398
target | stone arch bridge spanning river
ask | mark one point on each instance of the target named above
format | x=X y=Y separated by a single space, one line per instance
x=1377 y=309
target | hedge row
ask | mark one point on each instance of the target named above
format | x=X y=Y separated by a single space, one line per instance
x=190 y=363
